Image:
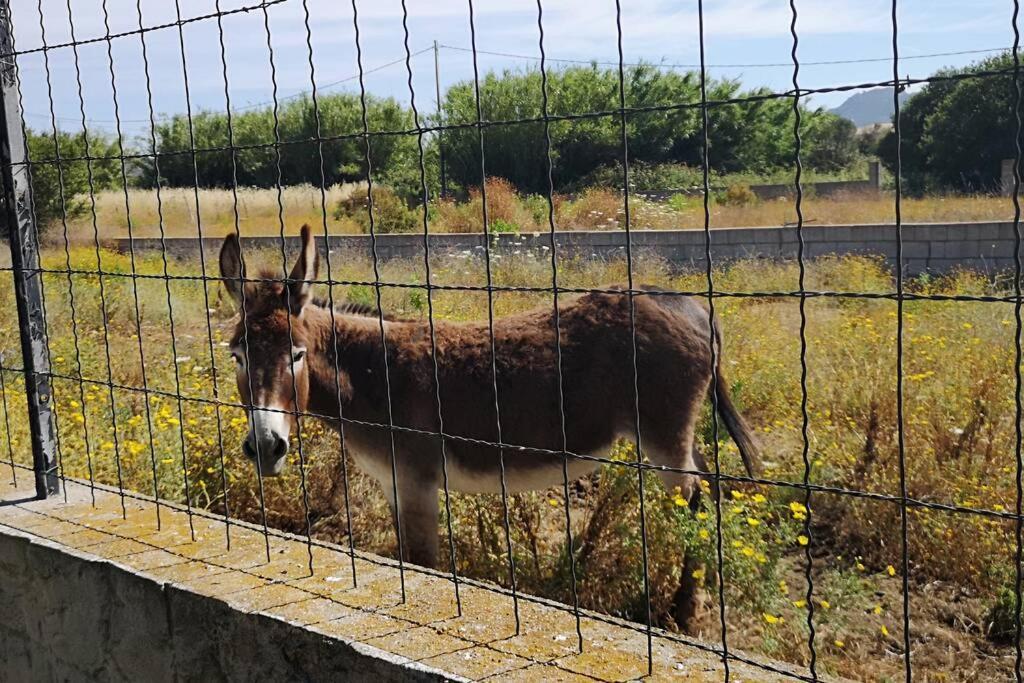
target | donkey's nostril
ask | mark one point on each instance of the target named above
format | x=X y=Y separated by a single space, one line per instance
x=248 y=449
x=280 y=447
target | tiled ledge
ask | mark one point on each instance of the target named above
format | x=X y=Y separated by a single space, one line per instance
x=90 y=591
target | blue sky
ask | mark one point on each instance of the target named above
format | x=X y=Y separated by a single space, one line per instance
x=738 y=32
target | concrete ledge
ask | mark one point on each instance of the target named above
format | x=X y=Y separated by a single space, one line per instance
x=91 y=595
x=931 y=247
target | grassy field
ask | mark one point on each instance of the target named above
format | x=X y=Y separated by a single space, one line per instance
x=258 y=212
x=959 y=438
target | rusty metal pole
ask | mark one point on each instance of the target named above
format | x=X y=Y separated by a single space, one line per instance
x=23 y=237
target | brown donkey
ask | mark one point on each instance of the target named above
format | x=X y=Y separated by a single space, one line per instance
x=304 y=373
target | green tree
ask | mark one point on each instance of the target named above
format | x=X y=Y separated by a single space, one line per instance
x=252 y=134
x=60 y=189
x=831 y=142
x=955 y=132
x=663 y=126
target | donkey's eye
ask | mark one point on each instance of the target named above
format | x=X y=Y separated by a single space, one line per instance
x=298 y=355
x=237 y=357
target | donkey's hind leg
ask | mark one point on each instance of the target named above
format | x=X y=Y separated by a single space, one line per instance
x=678 y=455
x=687 y=458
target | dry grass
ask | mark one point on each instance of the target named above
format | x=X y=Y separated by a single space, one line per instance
x=595 y=209
x=258 y=212
x=959 y=443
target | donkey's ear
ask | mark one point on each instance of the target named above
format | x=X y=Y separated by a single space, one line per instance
x=306 y=269
x=232 y=267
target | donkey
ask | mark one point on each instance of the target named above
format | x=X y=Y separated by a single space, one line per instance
x=294 y=360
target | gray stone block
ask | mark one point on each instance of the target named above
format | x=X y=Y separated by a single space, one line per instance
x=927 y=232
x=914 y=249
x=767 y=236
x=982 y=231
x=963 y=249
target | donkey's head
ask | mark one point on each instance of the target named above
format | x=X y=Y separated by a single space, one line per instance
x=269 y=346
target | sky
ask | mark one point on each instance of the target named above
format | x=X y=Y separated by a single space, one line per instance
x=747 y=40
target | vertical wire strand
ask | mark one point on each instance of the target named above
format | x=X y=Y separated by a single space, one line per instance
x=900 y=435
x=42 y=279
x=490 y=321
x=134 y=270
x=632 y=333
x=166 y=273
x=376 y=288
x=58 y=162
x=288 y=291
x=330 y=290
x=425 y=198
x=90 y=180
x=204 y=277
x=709 y=274
x=242 y=284
x=1018 y=352
x=569 y=547
x=804 y=415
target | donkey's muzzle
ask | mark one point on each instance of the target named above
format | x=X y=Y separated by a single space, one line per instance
x=268 y=454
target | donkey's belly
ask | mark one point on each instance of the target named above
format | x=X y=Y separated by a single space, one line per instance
x=520 y=474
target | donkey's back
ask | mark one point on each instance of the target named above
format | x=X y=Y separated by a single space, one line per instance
x=573 y=392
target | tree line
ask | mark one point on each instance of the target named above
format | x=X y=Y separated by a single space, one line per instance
x=954 y=132
x=261 y=147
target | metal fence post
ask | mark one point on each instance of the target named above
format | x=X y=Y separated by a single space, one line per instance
x=22 y=234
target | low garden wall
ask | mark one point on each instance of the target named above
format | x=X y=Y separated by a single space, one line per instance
x=927 y=247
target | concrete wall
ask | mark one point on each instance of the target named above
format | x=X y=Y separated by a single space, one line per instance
x=97 y=592
x=70 y=617
x=937 y=248
x=830 y=188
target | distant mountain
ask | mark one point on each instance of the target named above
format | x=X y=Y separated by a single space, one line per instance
x=869 y=107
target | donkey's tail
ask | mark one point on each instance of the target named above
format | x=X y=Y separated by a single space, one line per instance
x=737 y=427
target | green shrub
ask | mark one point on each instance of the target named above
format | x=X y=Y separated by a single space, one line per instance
x=390 y=213
x=682 y=202
x=737 y=195
x=57 y=192
x=499 y=225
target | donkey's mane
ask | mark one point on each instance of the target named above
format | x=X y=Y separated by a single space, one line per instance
x=268 y=289
x=351 y=308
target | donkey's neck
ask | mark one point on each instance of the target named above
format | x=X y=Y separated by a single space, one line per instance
x=345 y=353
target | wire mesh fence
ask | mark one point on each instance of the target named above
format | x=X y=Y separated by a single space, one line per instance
x=411 y=390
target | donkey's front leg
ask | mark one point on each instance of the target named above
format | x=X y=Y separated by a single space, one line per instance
x=417 y=512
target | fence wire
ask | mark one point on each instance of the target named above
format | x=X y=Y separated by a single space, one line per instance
x=158 y=340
